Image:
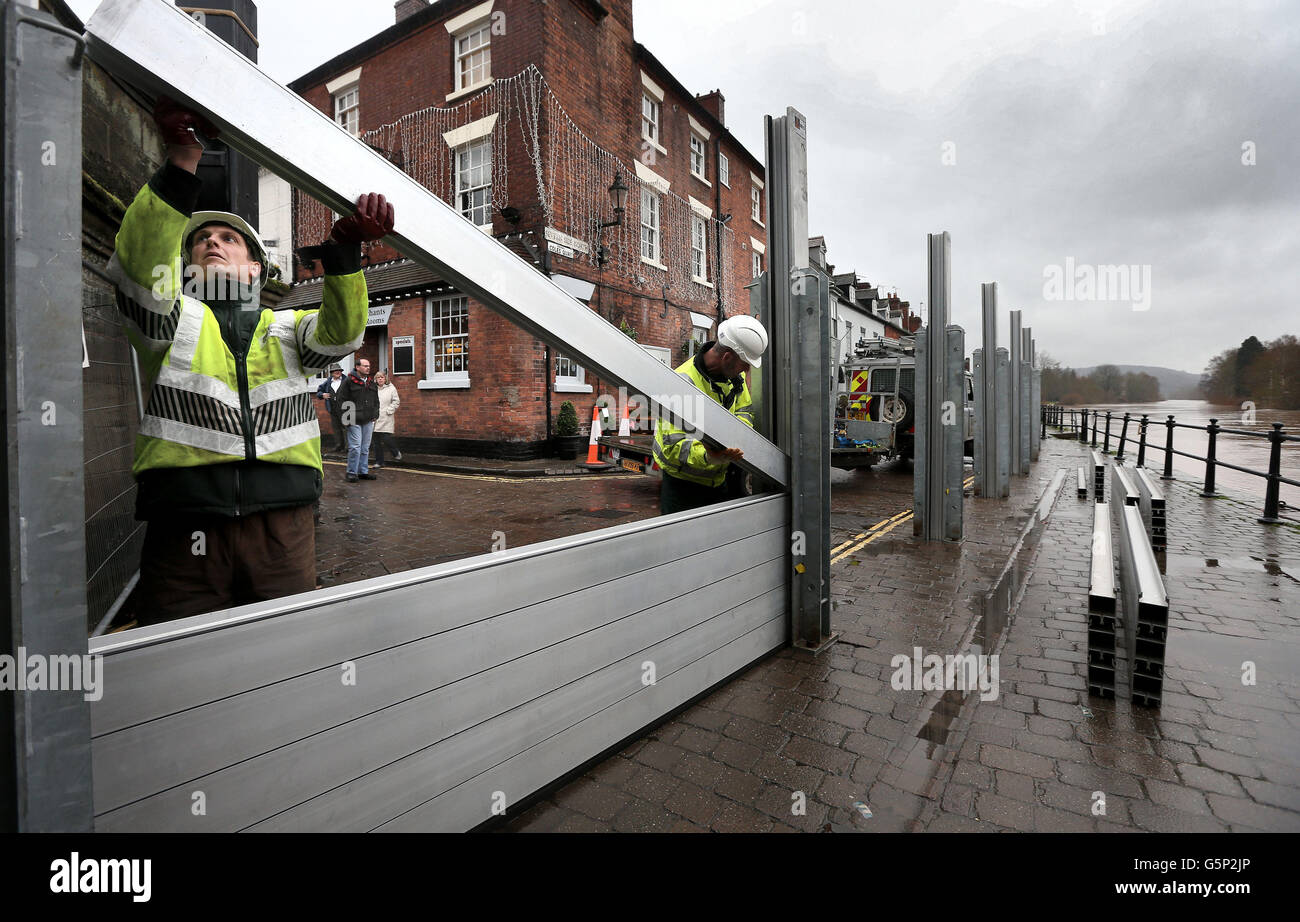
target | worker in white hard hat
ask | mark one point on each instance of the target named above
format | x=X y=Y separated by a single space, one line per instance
x=694 y=474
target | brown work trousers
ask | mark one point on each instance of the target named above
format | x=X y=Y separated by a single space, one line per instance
x=266 y=555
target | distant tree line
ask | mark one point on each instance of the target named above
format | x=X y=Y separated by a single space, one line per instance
x=1266 y=373
x=1104 y=384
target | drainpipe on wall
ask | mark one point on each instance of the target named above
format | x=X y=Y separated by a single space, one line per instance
x=717 y=210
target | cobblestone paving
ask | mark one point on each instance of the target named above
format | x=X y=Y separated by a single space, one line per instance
x=796 y=740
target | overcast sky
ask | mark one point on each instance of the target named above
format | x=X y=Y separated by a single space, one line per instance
x=1105 y=133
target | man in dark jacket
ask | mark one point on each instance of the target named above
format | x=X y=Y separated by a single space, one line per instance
x=327 y=389
x=358 y=402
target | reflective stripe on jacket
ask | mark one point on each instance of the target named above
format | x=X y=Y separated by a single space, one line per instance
x=227 y=381
x=681 y=453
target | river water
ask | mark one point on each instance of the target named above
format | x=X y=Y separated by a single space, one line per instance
x=1242 y=450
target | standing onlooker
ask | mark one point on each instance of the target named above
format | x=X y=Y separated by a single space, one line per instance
x=358 y=400
x=328 y=388
x=384 y=429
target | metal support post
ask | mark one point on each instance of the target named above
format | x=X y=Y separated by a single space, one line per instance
x=1169 y=450
x=940 y=350
x=1002 y=380
x=1014 y=406
x=45 y=772
x=1026 y=419
x=800 y=330
x=1270 y=516
x=1123 y=436
x=1035 y=394
x=987 y=408
x=981 y=418
x=1212 y=430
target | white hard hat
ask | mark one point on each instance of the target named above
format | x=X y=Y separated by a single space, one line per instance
x=744 y=336
x=257 y=249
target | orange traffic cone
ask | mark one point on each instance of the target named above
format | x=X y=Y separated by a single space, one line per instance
x=593 y=449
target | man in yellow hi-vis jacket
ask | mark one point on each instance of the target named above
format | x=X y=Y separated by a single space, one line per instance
x=693 y=474
x=227 y=459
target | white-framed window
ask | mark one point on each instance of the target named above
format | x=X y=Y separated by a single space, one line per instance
x=697 y=157
x=700 y=326
x=699 y=249
x=756 y=203
x=347 y=108
x=724 y=170
x=649 y=118
x=758 y=264
x=570 y=377
x=474 y=181
x=447 y=342
x=651 y=240
x=474 y=56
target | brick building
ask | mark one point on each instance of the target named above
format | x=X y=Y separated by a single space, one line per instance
x=522 y=115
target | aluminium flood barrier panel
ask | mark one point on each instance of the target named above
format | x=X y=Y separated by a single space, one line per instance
x=419 y=716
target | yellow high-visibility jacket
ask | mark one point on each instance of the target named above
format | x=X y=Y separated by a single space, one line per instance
x=679 y=453
x=230 y=428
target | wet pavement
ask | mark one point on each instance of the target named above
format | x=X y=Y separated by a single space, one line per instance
x=816 y=743
x=412 y=517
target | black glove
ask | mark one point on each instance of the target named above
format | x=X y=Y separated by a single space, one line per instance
x=373 y=220
x=174 y=123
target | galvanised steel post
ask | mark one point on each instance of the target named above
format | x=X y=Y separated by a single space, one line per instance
x=1002 y=373
x=981 y=416
x=1142 y=442
x=1270 y=515
x=1014 y=407
x=937 y=462
x=1035 y=394
x=1026 y=419
x=986 y=423
x=45 y=763
x=1169 y=450
x=1123 y=434
x=1106 y=448
x=1213 y=430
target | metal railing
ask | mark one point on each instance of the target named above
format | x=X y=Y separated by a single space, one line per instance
x=1086 y=422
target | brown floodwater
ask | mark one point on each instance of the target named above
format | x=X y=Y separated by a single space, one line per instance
x=1245 y=451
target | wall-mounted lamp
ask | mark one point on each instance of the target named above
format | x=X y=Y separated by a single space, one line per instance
x=618 y=196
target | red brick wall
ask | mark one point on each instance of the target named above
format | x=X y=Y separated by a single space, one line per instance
x=593 y=69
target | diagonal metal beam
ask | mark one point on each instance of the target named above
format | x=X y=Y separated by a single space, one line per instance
x=155 y=46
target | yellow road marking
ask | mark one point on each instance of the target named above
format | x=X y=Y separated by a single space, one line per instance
x=877 y=531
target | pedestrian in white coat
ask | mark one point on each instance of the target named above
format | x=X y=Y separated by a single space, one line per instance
x=384 y=426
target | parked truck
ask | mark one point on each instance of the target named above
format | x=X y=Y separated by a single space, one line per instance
x=875 y=404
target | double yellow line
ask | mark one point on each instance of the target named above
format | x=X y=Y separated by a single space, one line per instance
x=844 y=549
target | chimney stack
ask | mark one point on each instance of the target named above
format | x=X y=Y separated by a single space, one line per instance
x=404 y=8
x=714 y=102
